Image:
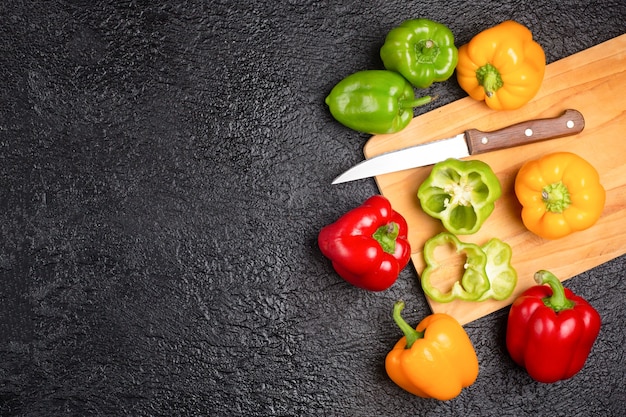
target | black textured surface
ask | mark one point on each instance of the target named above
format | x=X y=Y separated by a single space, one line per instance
x=165 y=167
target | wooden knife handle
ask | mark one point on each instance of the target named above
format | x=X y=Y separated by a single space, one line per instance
x=569 y=123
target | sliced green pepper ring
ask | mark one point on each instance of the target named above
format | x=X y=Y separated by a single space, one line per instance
x=461 y=194
x=474 y=282
x=501 y=274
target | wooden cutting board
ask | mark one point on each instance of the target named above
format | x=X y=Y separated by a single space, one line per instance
x=593 y=82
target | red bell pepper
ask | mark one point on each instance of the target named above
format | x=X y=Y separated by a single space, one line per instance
x=368 y=245
x=550 y=331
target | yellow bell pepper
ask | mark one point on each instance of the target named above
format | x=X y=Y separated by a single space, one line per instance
x=560 y=193
x=435 y=360
x=502 y=65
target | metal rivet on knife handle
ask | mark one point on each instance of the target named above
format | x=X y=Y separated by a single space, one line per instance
x=569 y=123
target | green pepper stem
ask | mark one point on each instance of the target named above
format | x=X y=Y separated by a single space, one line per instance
x=489 y=77
x=426 y=51
x=558 y=301
x=411 y=334
x=556 y=197
x=406 y=104
x=386 y=236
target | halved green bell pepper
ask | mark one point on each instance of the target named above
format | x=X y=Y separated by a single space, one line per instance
x=374 y=101
x=487 y=271
x=421 y=50
x=461 y=194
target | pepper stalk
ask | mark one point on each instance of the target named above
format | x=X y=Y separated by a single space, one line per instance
x=557 y=301
x=489 y=78
x=386 y=236
x=556 y=196
x=410 y=333
x=409 y=104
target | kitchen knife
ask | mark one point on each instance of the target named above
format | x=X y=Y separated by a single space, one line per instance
x=470 y=142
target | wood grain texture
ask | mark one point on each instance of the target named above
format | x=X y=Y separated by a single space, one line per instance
x=592 y=81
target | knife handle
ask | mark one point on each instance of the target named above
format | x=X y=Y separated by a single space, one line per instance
x=569 y=123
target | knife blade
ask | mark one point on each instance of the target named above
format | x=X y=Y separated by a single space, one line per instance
x=470 y=142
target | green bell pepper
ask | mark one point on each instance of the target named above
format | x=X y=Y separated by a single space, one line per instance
x=461 y=194
x=421 y=50
x=501 y=274
x=374 y=101
x=474 y=281
x=487 y=271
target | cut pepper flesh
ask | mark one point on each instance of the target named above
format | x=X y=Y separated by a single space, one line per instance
x=502 y=276
x=487 y=270
x=473 y=282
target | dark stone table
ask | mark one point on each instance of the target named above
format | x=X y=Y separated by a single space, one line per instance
x=165 y=168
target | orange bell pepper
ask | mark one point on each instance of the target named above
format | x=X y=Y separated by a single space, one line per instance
x=435 y=360
x=502 y=65
x=560 y=194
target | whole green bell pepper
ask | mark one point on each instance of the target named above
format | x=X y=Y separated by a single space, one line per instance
x=461 y=194
x=374 y=101
x=421 y=50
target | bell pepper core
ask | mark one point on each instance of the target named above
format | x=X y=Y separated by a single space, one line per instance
x=421 y=50
x=460 y=193
x=374 y=101
x=550 y=331
x=434 y=360
x=368 y=245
